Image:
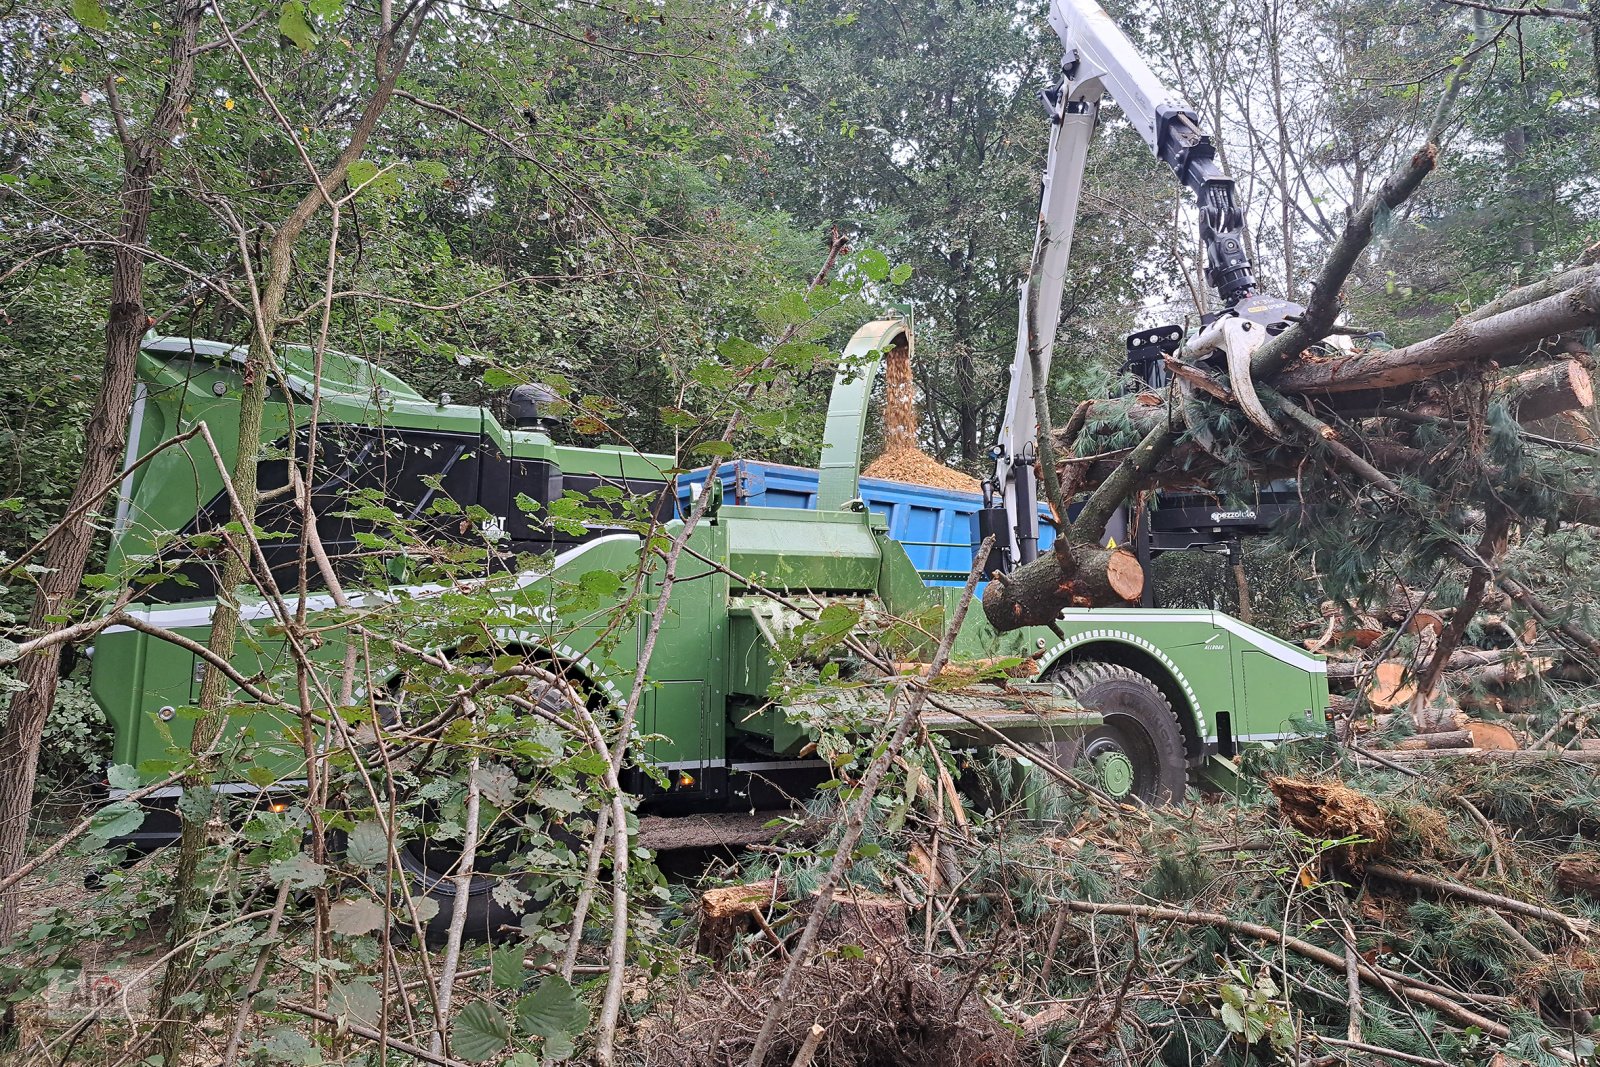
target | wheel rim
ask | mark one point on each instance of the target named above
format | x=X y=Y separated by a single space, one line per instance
x=1123 y=759
x=1114 y=770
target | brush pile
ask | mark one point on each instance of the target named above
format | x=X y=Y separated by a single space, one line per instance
x=1338 y=911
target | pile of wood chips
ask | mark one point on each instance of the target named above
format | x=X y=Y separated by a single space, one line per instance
x=902 y=460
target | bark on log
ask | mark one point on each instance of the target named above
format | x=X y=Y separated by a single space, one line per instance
x=1437 y=739
x=872 y=922
x=1508 y=333
x=1521 y=757
x=1550 y=390
x=1068 y=576
x=1505 y=673
x=1579 y=874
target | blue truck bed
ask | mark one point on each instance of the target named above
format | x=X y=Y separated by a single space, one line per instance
x=938 y=527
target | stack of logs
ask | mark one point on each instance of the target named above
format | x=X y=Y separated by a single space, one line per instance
x=1476 y=704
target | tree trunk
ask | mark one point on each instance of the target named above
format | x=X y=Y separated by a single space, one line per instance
x=1506 y=336
x=215 y=688
x=105 y=438
x=1437 y=739
x=1546 y=391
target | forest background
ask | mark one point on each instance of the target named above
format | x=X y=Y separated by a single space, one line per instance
x=603 y=195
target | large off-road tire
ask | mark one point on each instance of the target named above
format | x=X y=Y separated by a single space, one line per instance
x=1138 y=750
x=429 y=866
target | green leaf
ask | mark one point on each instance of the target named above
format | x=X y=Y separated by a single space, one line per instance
x=873 y=264
x=356 y=1001
x=285 y=1045
x=675 y=418
x=90 y=15
x=122 y=776
x=353 y=918
x=299 y=870
x=292 y=24
x=505 y=967
x=367 y=845
x=115 y=820
x=555 y=1014
x=900 y=274
x=479 y=1033
x=500 y=378
x=738 y=351
x=792 y=308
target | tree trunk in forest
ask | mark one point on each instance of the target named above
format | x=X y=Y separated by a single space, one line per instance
x=105 y=438
x=1241 y=585
x=966 y=371
x=393 y=49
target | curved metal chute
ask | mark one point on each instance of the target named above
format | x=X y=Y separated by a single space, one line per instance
x=839 y=471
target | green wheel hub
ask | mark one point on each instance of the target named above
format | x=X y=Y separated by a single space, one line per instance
x=1115 y=771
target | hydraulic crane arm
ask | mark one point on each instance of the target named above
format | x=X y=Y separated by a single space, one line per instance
x=1096 y=51
x=1098 y=60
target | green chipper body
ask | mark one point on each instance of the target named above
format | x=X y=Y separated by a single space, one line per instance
x=725 y=713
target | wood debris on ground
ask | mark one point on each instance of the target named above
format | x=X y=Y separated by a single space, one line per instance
x=1332 y=907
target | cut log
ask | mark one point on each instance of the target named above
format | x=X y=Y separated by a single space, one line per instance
x=1519 y=757
x=1492 y=736
x=1579 y=874
x=1504 y=673
x=1066 y=577
x=1390 y=685
x=1546 y=391
x=1434 y=718
x=1439 y=714
x=1481 y=703
x=863 y=919
x=1437 y=739
x=1425 y=621
x=1404 y=604
x=1504 y=337
x=1365 y=633
x=729 y=911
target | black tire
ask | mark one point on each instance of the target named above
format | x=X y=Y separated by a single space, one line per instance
x=1139 y=728
x=487 y=918
x=428 y=866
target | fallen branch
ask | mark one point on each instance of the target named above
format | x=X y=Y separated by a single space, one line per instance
x=1389 y=981
x=1578 y=928
x=370 y=1034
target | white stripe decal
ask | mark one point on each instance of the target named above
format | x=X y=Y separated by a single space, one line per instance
x=228 y=788
x=777 y=765
x=1088 y=636
x=1282 y=653
x=135 y=427
x=179 y=616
